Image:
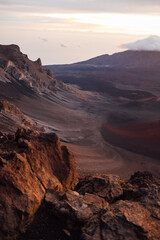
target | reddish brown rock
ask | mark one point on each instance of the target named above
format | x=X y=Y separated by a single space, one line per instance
x=90 y=217
x=30 y=163
x=108 y=187
x=124 y=220
x=10 y=108
x=36 y=173
x=12 y=118
x=135 y=215
x=73 y=208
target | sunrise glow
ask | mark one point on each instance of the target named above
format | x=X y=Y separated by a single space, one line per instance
x=76 y=30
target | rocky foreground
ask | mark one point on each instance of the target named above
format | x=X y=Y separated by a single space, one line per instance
x=42 y=197
x=31 y=163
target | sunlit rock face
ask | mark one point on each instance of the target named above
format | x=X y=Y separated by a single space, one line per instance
x=102 y=207
x=30 y=163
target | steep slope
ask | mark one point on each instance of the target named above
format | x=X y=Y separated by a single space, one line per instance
x=130 y=84
x=77 y=116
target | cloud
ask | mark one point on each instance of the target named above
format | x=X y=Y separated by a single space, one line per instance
x=63 y=45
x=131 y=6
x=152 y=43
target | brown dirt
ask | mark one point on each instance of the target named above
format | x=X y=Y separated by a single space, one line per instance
x=141 y=138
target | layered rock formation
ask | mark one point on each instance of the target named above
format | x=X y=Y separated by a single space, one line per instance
x=16 y=68
x=30 y=163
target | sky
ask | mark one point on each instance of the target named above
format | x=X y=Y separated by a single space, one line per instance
x=67 y=31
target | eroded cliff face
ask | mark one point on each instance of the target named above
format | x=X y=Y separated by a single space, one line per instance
x=31 y=163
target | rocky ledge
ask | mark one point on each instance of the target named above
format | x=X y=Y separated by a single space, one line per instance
x=41 y=197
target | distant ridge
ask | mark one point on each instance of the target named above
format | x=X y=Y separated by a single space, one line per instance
x=126 y=59
x=143 y=59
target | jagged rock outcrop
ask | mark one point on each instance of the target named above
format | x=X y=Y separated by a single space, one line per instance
x=16 y=68
x=135 y=215
x=39 y=62
x=9 y=107
x=108 y=187
x=40 y=197
x=132 y=214
x=30 y=163
x=11 y=118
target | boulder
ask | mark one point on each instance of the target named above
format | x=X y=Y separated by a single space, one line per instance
x=123 y=220
x=134 y=215
x=108 y=187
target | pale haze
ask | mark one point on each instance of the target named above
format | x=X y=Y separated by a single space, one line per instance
x=151 y=43
x=70 y=31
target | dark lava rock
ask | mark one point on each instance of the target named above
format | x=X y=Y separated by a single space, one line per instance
x=70 y=215
x=142 y=179
x=108 y=187
x=134 y=215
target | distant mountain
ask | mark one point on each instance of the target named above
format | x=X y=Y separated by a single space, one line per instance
x=114 y=74
x=127 y=59
x=131 y=59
